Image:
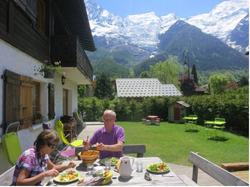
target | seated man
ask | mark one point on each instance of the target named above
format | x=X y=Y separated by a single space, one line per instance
x=108 y=139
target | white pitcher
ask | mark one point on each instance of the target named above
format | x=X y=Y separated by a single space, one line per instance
x=125 y=169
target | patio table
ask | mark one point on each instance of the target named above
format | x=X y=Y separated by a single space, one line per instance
x=153 y=119
x=137 y=178
x=190 y=118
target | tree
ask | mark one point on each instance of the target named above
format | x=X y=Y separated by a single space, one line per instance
x=144 y=74
x=81 y=91
x=167 y=72
x=194 y=73
x=104 y=88
x=243 y=81
x=217 y=82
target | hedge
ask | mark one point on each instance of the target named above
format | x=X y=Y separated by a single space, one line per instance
x=231 y=105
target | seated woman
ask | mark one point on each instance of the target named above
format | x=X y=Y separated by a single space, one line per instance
x=34 y=163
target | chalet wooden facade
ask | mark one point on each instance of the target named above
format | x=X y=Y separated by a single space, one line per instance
x=33 y=33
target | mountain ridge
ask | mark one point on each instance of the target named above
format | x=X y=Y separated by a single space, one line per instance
x=143 y=29
x=135 y=39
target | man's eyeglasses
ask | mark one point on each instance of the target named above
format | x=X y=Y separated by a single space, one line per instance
x=52 y=146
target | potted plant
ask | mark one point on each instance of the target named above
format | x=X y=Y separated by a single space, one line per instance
x=48 y=69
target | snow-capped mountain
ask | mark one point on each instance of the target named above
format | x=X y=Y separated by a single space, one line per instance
x=142 y=31
x=239 y=37
x=222 y=20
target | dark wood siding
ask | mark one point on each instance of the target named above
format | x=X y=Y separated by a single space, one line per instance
x=3 y=15
x=21 y=31
x=64 y=49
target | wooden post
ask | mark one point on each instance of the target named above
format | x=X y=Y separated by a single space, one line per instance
x=195 y=173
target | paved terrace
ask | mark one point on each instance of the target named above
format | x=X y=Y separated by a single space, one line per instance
x=203 y=178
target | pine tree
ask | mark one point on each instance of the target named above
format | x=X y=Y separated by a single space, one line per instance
x=194 y=73
x=104 y=87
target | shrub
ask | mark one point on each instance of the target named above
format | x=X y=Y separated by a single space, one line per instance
x=231 y=105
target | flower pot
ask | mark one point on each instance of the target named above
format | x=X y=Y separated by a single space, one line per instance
x=49 y=74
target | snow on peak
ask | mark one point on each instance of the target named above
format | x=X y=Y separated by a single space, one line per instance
x=167 y=21
x=143 y=29
x=221 y=20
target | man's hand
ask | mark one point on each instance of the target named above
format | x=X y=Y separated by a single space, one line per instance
x=86 y=145
x=100 y=147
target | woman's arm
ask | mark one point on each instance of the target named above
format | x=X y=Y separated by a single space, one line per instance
x=24 y=179
x=60 y=167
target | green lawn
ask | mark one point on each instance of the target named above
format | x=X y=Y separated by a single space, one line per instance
x=172 y=144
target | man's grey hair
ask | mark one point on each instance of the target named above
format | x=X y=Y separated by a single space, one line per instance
x=111 y=112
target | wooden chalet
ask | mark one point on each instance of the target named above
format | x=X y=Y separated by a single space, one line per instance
x=34 y=33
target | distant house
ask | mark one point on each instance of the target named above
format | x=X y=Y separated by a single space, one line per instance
x=190 y=87
x=32 y=33
x=231 y=86
x=177 y=111
x=144 y=87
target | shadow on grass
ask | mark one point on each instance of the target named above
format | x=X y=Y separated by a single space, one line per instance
x=218 y=138
x=191 y=130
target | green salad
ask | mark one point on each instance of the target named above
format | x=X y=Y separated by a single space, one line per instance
x=158 y=167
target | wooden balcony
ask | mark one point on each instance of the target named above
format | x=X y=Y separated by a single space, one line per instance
x=74 y=60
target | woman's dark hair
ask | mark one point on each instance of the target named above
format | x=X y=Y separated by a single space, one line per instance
x=46 y=137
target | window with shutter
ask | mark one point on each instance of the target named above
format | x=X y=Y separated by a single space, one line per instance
x=12 y=84
x=21 y=100
x=26 y=112
x=51 y=94
x=65 y=102
x=37 y=116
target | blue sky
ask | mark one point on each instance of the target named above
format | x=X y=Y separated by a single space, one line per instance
x=182 y=8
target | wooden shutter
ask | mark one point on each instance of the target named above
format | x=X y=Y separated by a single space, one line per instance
x=65 y=101
x=26 y=110
x=11 y=97
x=51 y=94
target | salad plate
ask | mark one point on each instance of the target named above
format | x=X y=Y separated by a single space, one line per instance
x=158 y=168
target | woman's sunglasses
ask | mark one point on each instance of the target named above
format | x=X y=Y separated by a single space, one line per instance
x=52 y=146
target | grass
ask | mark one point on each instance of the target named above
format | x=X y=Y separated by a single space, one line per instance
x=172 y=144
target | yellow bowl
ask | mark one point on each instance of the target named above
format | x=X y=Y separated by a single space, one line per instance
x=89 y=157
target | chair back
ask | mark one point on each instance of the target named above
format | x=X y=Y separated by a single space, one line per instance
x=79 y=120
x=13 y=127
x=12 y=146
x=59 y=130
x=139 y=149
x=194 y=116
x=220 y=119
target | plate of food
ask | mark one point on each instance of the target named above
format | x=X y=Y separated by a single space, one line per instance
x=158 y=168
x=67 y=177
x=107 y=177
x=113 y=160
x=100 y=178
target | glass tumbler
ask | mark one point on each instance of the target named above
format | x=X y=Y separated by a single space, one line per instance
x=107 y=164
x=139 y=166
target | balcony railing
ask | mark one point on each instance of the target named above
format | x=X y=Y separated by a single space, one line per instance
x=69 y=51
